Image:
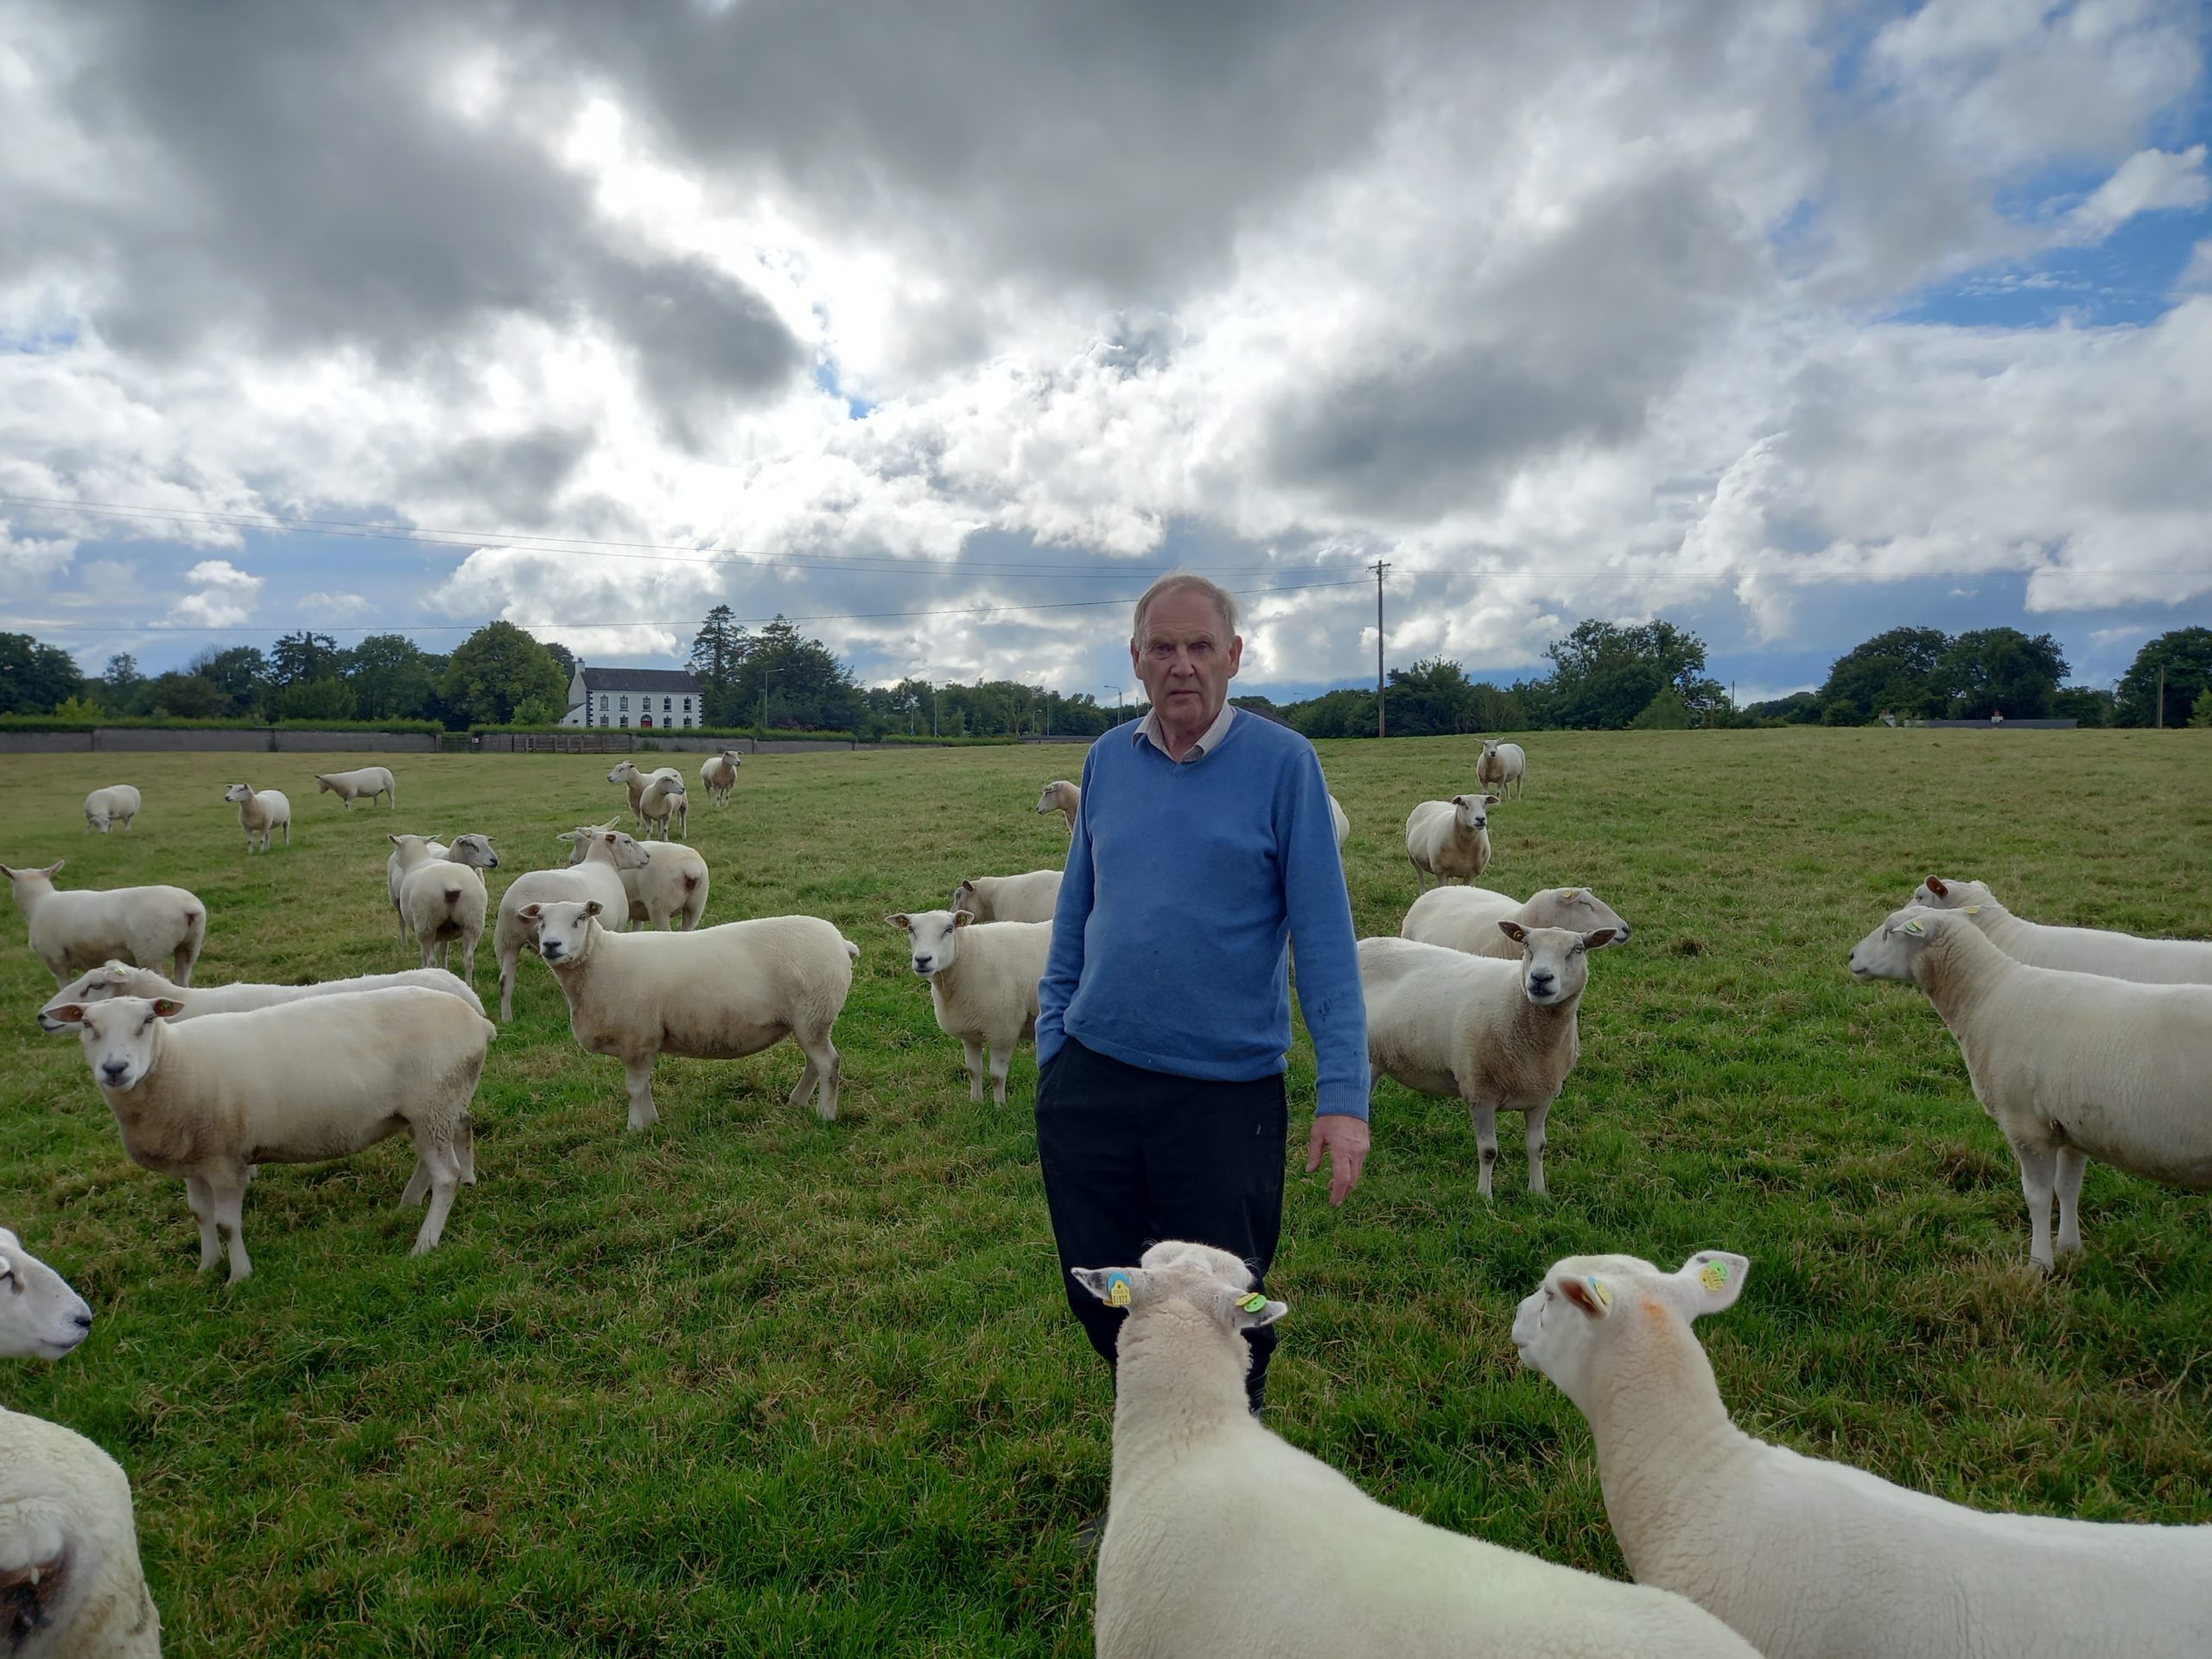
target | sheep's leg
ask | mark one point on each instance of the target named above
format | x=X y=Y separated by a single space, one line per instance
x=1485 y=1119
x=1001 y=1063
x=181 y=960
x=2036 y=1181
x=467 y=958
x=507 y=961
x=2073 y=1163
x=287 y=832
x=229 y=1202
x=202 y=1200
x=807 y=1077
x=444 y=1181
x=638 y=1073
x=1536 y=1116
x=418 y=1183
x=825 y=1100
x=972 y=1057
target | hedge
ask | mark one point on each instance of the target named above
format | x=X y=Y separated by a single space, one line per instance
x=146 y=722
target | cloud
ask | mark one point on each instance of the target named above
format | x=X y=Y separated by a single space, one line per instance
x=335 y=605
x=2149 y=181
x=225 y=596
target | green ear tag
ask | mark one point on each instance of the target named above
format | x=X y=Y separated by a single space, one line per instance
x=1714 y=1275
x=1602 y=1291
x=1254 y=1303
x=1117 y=1289
x=1914 y=927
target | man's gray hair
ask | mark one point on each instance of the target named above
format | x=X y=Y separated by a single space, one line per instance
x=1176 y=582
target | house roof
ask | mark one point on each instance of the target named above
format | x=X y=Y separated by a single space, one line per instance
x=640 y=679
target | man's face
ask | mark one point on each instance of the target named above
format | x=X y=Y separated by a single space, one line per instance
x=1186 y=658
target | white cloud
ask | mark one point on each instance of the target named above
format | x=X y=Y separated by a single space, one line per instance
x=335 y=605
x=2197 y=274
x=225 y=596
x=2149 y=181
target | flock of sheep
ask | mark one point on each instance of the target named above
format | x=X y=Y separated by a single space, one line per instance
x=2079 y=1042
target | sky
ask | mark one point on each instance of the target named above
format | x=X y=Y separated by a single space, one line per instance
x=945 y=328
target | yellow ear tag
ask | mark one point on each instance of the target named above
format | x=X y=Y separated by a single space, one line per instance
x=1117 y=1289
x=1254 y=1303
x=1714 y=1275
x=1914 y=927
x=1602 y=1291
x=1974 y=910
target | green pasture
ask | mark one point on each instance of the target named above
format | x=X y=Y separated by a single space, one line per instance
x=748 y=1382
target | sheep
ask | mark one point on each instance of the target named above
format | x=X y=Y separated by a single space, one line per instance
x=666 y=804
x=2072 y=1066
x=120 y=979
x=259 y=812
x=103 y=807
x=209 y=1099
x=983 y=981
x=1448 y=839
x=71 y=931
x=715 y=993
x=372 y=781
x=626 y=774
x=1806 y=1558
x=443 y=899
x=41 y=1317
x=1503 y=767
x=1061 y=797
x=672 y=886
x=408 y=851
x=1340 y=820
x=719 y=773
x=1030 y=897
x=1466 y=919
x=597 y=874
x=1224 y=1541
x=71 y=1584
x=2072 y=950
x=1501 y=1036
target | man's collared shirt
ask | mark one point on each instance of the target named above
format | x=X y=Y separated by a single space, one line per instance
x=1209 y=740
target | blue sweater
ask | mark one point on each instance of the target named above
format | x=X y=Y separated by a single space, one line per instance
x=1185 y=884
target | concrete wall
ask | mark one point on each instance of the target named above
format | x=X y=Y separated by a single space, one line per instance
x=294 y=742
x=46 y=742
x=168 y=739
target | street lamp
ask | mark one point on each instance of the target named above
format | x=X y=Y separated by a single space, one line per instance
x=766 y=674
x=1117 y=690
x=937 y=695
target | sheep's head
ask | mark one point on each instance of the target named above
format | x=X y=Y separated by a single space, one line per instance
x=121 y=1037
x=1489 y=747
x=932 y=935
x=99 y=818
x=733 y=757
x=1588 y=1303
x=623 y=772
x=473 y=851
x=1049 y=799
x=1892 y=950
x=1574 y=907
x=1937 y=893
x=41 y=1318
x=562 y=931
x=963 y=896
x=28 y=883
x=1472 y=812
x=110 y=980
x=1213 y=1281
x=1554 y=961
x=238 y=792
x=322 y=783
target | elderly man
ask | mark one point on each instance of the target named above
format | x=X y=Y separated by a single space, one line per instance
x=1202 y=847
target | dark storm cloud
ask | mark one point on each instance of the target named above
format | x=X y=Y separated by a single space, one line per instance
x=517 y=480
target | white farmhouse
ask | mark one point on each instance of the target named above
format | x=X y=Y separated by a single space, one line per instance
x=639 y=697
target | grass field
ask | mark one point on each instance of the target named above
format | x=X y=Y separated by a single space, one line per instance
x=751 y=1384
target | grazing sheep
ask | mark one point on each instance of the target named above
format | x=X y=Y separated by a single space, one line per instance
x=1341 y=820
x=1466 y=919
x=719 y=773
x=41 y=1318
x=983 y=981
x=626 y=774
x=713 y=994
x=1503 y=768
x=1028 y=898
x=1501 y=1036
x=2072 y=1066
x=1061 y=797
x=71 y=1584
x=71 y=931
x=408 y=851
x=2072 y=950
x=1806 y=1558
x=596 y=875
x=259 y=812
x=209 y=1099
x=103 y=807
x=1224 y=1542
x=370 y=781
x=666 y=807
x=443 y=899
x=115 y=979
x=1449 y=840
x=671 y=887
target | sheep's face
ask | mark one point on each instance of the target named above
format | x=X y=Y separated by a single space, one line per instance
x=1472 y=812
x=1554 y=961
x=1048 y=799
x=963 y=897
x=1577 y=908
x=99 y=818
x=475 y=851
x=1586 y=1302
x=121 y=1037
x=238 y=792
x=41 y=1318
x=933 y=937
x=1215 y=1282
x=623 y=850
x=1891 y=949
x=562 y=931
x=580 y=838
x=103 y=984
x=622 y=773
x=1937 y=893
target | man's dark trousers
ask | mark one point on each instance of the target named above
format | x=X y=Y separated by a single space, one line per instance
x=1132 y=1157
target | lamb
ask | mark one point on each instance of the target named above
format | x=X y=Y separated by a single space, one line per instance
x=638 y=782
x=1061 y=797
x=671 y=886
x=719 y=773
x=408 y=851
x=71 y=931
x=715 y=993
x=2072 y=1066
x=1449 y=839
x=1341 y=820
x=983 y=981
x=71 y=1584
x=1806 y=1558
x=259 y=812
x=597 y=875
x=1501 y=1036
x=103 y=807
x=372 y=781
x=1502 y=767
x=1224 y=1541
x=663 y=802
x=41 y=1318
x=1030 y=897
x=1466 y=919
x=120 y=979
x=443 y=899
x=209 y=1099
x=2072 y=950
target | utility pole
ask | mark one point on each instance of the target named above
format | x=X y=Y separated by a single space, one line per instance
x=1378 y=567
x=2162 y=696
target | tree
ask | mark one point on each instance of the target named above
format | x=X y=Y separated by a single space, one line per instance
x=298 y=657
x=2185 y=654
x=567 y=660
x=797 y=680
x=1892 y=673
x=122 y=688
x=35 y=677
x=1432 y=698
x=2091 y=705
x=1604 y=674
x=328 y=698
x=2001 y=671
x=240 y=675
x=177 y=695
x=1666 y=712
x=392 y=678
x=1798 y=708
x=493 y=670
x=1345 y=712
x=718 y=649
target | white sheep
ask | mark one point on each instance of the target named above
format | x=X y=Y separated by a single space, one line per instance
x=671 y=887
x=1340 y=821
x=1030 y=897
x=1466 y=919
x=2072 y=1066
x=719 y=773
x=715 y=993
x=1061 y=797
x=666 y=806
x=2072 y=950
x=1500 y=1035
x=983 y=981
x=1224 y=1542
x=71 y=1584
x=1806 y=1558
x=347 y=786
x=408 y=851
x=1449 y=840
x=71 y=931
x=443 y=900
x=260 y=812
x=625 y=773
x=115 y=979
x=209 y=1099
x=596 y=875
x=104 y=807
x=1502 y=767
x=41 y=1317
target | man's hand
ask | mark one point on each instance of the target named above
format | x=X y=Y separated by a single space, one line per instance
x=1344 y=1138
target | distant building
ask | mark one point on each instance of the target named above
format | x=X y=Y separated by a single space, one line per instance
x=640 y=697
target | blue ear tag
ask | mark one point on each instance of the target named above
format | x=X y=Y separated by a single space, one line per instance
x=1117 y=1289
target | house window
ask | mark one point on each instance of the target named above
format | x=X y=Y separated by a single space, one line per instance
x=626 y=708
x=664 y=705
x=687 y=720
x=687 y=705
x=602 y=702
x=625 y=719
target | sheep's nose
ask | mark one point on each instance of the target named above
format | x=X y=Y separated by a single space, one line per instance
x=1540 y=981
x=84 y=1320
x=1622 y=936
x=922 y=965
x=115 y=1069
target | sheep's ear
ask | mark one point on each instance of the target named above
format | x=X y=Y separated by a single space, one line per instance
x=1589 y=1293
x=1116 y=1286
x=1934 y=884
x=1514 y=932
x=167 y=1008
x=530 y=913
x=1248 y=1309
x=1712 y=1279
x=962 y=918
x=52 y=867
x=593 y=907
x=1598 y=939
x=1492 y=800
x=899 y=919
x=68 y=1013
x=394 y=840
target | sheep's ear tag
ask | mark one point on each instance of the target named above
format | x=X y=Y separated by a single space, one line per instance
x=1974 y=910
x=1601 y=1290
x=1713 y=1275
x=1252 y=1304
x=1117 y=1289
x=1914 y=928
